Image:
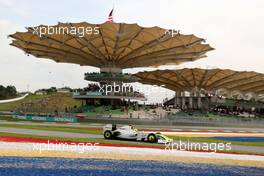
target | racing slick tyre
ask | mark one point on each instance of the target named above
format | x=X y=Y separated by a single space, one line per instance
x=152 y=138
x=108 y=135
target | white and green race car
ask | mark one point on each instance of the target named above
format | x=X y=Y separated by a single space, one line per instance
x=128 y=132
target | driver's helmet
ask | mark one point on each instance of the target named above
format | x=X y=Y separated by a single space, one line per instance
x=132 y=128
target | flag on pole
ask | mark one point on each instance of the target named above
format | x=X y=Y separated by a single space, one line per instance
x=110 y=17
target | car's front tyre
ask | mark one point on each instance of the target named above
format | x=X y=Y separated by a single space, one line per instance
x=152 y=138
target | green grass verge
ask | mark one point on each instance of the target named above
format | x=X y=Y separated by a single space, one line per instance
x=9 y=119
x=86 y=130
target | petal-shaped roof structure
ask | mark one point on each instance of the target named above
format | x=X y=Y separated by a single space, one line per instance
x=117 y=45
x=189 y=79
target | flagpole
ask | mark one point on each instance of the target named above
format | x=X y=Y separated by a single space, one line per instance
x=110 y=16
x=113 y=11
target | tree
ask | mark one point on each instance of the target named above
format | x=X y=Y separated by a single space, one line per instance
x=7 y=92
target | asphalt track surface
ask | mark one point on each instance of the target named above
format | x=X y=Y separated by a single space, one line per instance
x=241 y=148
x=20 y=166
x=97 y=125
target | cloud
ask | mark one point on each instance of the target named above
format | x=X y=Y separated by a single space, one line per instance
x=6 y=3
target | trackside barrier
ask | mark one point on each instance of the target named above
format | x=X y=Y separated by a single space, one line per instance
x=45 y=118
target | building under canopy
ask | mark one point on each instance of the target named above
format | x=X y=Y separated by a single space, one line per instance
x=197 y=81
x=193 y=79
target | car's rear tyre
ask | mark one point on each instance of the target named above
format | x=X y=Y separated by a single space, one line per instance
x=108 y=135
x=152 y=138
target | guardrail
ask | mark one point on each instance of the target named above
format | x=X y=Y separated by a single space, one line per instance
x=45 y=118
x=167 y=122
x=136 y=121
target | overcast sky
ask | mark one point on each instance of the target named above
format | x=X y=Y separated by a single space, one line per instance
x=233 y=27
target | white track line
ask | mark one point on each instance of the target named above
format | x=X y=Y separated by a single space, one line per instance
x=140 y=151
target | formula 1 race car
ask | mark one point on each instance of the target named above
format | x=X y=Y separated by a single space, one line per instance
x=128 y=132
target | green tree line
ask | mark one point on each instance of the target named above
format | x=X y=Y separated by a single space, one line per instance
x=7 y=92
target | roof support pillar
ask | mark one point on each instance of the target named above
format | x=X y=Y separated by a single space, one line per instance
x=183 y=100
x=177 y=102
x=191 y=101
x=199 y=101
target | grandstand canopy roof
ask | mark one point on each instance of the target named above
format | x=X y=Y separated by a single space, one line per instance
x=191 y=79
x=118 y=45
